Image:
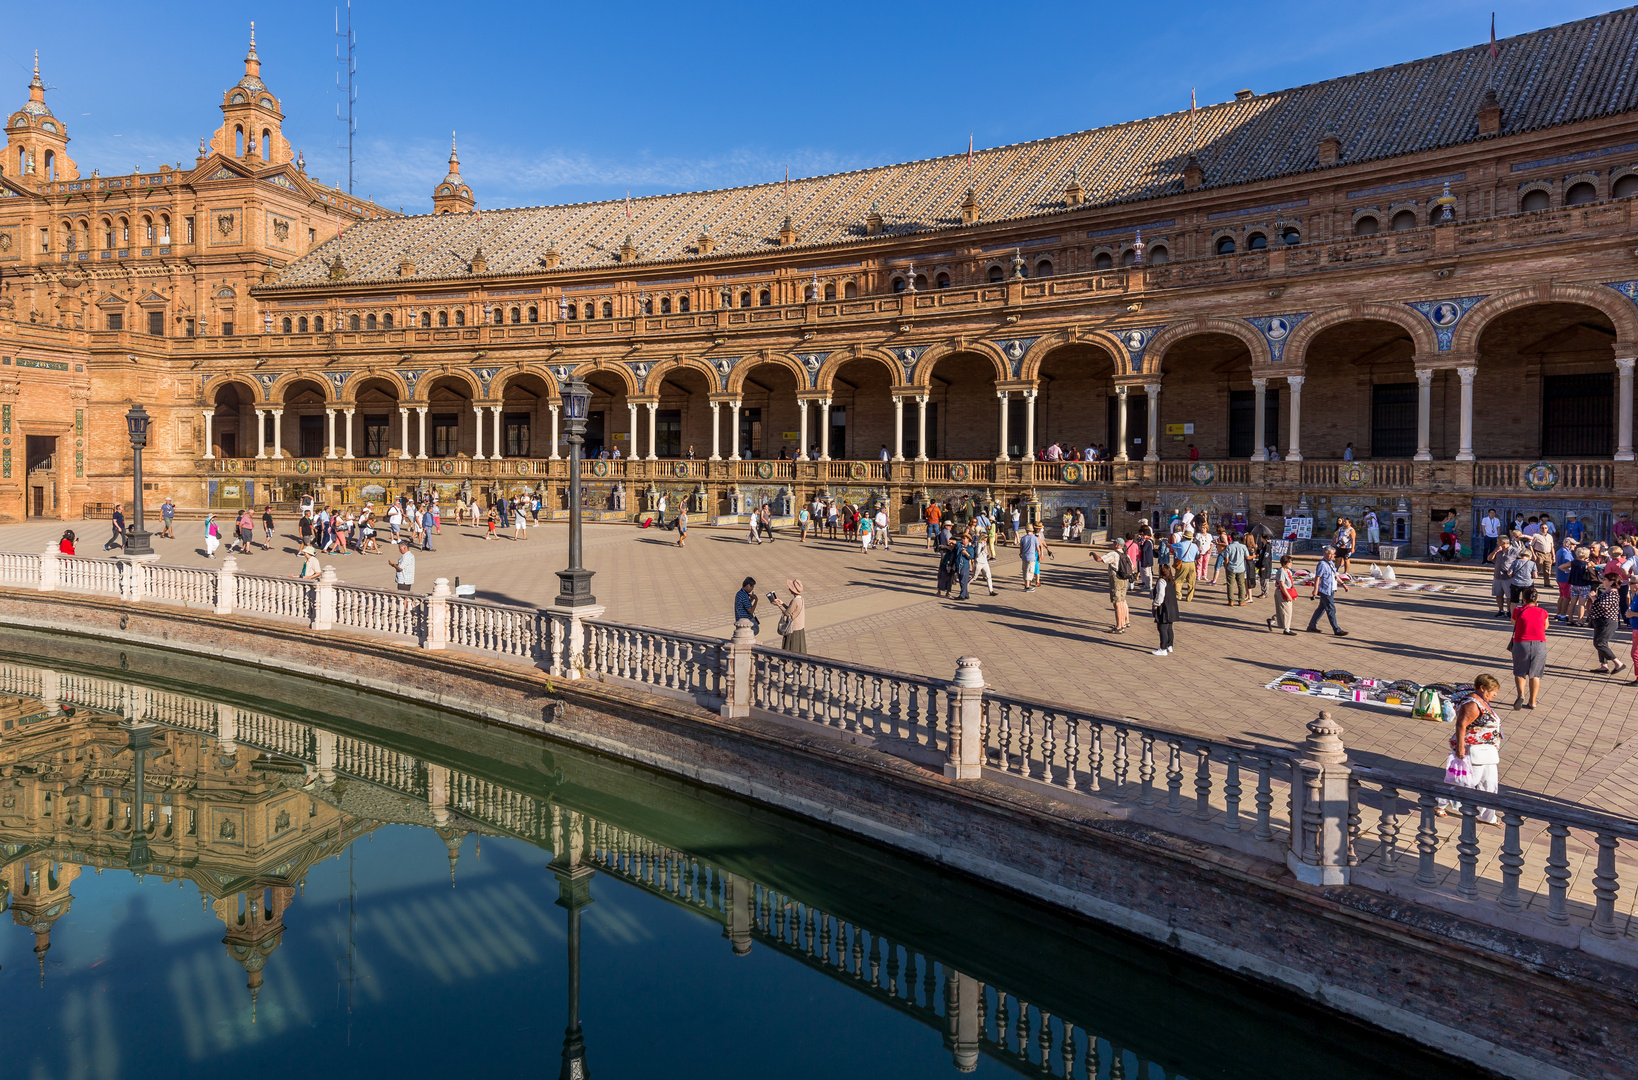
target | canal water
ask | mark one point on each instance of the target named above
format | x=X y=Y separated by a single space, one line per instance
x=319 y=880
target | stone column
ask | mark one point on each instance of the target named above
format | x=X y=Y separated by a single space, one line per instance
x=261 y=434
x=1153 y=434
x=1001 y=396
x=330 y=432
x=824 y=429
x=1319 y=852
x=1295 y=451
x=555 y=454
x=1029 y=424
x=497 y=449
x=733 y=433
x=802 y=447
x=921 y=427
x=324 y=600
x=421 y=431
x=898 y=428
x=278 y=433
x=403 y=419
x=210 y=452
x=348 y=413
x=436 y=634
x=631 y=439
x=716 y=431
x=653 y=415
x=477 y=435
x=1259 y=426
x=1120 y=424
x=1424 y=415
x=1465 y=453
x=1623 y=423
x=964 y=758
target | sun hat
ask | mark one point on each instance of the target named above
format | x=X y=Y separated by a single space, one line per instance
x=307 y=549
x=794 y=585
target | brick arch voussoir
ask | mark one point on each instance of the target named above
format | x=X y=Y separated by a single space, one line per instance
x=498 y=387
x=251 y=385
x=743 y=369
x=275 y=396
x=349 y=394
x=1620 y=311
x=1154 y=355
x=836 y=360
x=673 y=364
x=1001 y=366
x=424 y=385
x=609 y=367
x=1419 y=329
x=1046 y=346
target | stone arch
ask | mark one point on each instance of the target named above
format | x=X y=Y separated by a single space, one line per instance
x=1038 y=352
x=432 y=375
x=1617 y=308
x=1155 y=352
x=497 y=386
x=673 y=364
x=1419 y=329
x=251 y=386
x=611 y=367
x=736 y=378
x=349 y=395
x=285 y=382
x=930 y=357
x=835 y=361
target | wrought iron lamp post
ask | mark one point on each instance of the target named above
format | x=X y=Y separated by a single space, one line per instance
x=575 y=588
x=139 y=736
x=136 y=540
x=573 y=894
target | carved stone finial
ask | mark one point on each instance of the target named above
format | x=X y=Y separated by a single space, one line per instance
x=1324 y=742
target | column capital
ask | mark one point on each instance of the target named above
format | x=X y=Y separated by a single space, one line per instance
x=1259 y=384
x=277 y=411
x=212 y=412
x=1424 y=377
x=1295 y=381
x=1624 y=364
x=349 y=410
x=1467 y=373
x=417 y=408
x=1120 y=389
x=1152 y=389
x=1002 y=395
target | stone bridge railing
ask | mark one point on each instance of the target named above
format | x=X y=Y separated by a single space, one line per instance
x=1549 y=870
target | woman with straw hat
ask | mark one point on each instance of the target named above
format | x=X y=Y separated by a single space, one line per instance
x=793 y=622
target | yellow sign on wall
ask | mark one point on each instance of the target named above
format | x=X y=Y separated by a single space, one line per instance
x=1174 y=429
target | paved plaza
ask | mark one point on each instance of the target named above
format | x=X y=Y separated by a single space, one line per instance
x=881 y=610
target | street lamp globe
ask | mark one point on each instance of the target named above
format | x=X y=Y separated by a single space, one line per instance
x=576 y=400
x=136 y=422
x=136 y=539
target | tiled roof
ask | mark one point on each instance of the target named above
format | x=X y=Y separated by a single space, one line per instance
x=1559 y=75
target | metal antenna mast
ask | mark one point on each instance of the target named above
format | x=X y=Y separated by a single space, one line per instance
x=350 y=64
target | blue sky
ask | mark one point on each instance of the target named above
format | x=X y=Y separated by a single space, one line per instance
x=567 y=103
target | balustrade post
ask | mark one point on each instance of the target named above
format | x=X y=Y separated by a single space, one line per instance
x=324 y=600
x=438 y=793
x=964 y=758
x=437 y=628
x=963 y=1019
x=50 y=569
x=737 y=701
x=737 y=928
x=566 y=653
x=132 y=580
x=1319 y=853
x=225 y=585
x=324 y=750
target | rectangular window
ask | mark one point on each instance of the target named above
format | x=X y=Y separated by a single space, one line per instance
x=446 y=435
x=227 y=329
x=156 y=323
x=517 y=434
x=116 y=320
x=312 y=235
x=377 y=436
x=668 y=433
x=1578 y=415
x=838 y=432
x=1243 y=422
x=1393 y=420
x=750 y=433
x=45 y=240
x=187 y=327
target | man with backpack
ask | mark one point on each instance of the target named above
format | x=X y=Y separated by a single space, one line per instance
x=1187 y=553
x=1121 y=572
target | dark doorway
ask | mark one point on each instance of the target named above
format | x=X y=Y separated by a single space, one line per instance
x=1137 y=422
x=750 y=433
x=517 y=434
x=37 y=501
x=1393 y=420
x=446 y=435
x=377 y=436
x=1243 y=422
x=1577 y=415
x=312 y=436
x=911 y=447
x=838 y=431
x=668 y=433
x=596 y=432
x=228 y=442
x=1017 y=432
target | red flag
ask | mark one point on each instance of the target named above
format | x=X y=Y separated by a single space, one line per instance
x=1493 y=52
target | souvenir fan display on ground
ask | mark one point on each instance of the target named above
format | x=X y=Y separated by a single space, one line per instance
x=1397 y=694
x=1381 y=577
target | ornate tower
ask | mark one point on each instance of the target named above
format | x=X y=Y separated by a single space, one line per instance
x=255 y=926
x=251 y=118
x=40 y=895
x=36 y=141
x=452 y=196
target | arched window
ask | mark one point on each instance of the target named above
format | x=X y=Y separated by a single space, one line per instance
x=648 y=307
x=517 y=315
x=591 y=312
x=124 y=231
x=68 y=235
x=830 y=291
x=1536 y=200
x=573 y=311
x=352 y=322
x=1043 y=268
x=763 y=299
x=107 y=233
x=898 y=284
x=287 y=324
x=921 y=281
x=1103 y=261
x=1129 y=257
x=370 y=321
x=426 y=319
x=460 y=317
x=1366 y=226
x=744 y=299
x=443 y=318
x=665 y=305
x=608 y=310
x=238 y=142
x=1291 y=236
x=301 y=325
x=51 y=165
x=1225 y=245
x=386 y=321
x=534 y=313
x=1580 y=193
x=807 y=293
x=1158 y=255
x=267 y=144
x=164 y=228
x=1405 y=219
x=147 y=229
x=996 y=273
x=682 y=303
x=850 y=290
x=943 y=281
x=1256 y=242
x=318 y=324
x=1626 y=187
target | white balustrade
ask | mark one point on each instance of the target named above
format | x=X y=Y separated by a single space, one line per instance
x=184 y=584
x=687 y=665
x=19 y=567
x=84 y=574
x=283 y=598
x=379 y=611
x=511 y=631
x=851 y=697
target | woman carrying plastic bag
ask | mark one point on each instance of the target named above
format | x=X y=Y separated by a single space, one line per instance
x=213 y=536
x=1475 y=748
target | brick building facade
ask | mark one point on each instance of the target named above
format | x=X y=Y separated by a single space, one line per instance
x=1432 y=263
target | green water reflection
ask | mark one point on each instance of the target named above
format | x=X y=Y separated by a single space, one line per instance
x=277 y=871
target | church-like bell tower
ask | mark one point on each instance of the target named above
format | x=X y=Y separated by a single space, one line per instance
x=452 y=196
x=251 y=119
x=36 y=141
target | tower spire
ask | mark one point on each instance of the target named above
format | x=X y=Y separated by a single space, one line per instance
x=253 y=63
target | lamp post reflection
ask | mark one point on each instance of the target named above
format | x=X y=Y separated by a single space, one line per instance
x=139 y=737
x=574 y=894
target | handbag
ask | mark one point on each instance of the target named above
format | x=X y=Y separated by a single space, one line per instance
x=1483 y=754
x=784 y=627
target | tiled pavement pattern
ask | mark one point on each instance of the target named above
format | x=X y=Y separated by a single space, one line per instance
x=880 y=609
